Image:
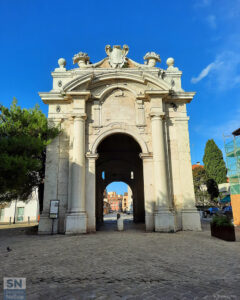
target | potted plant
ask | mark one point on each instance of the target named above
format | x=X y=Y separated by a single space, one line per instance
x=222 y=228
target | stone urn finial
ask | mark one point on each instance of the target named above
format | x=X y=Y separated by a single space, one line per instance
x=62 y=63
x=170 y=63
x=151 y=59
x=82 y=59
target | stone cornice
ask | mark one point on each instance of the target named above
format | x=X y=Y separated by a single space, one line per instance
x=156 y=93
x=180 y=119
x=54 y=97
x=186 y=96
x=59 y=97
x=76 y=95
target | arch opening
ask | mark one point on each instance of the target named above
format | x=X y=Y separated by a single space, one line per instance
x=120 y=161
x=117 y=198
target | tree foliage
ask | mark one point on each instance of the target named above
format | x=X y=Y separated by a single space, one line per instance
x=212 y=189
x=213 y=163
x=24 y=135
x=199 y=182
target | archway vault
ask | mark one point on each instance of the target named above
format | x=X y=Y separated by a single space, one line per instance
x=119 y=160
x=119 y=129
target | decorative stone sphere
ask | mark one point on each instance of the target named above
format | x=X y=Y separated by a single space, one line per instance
x=62 y=62
x=170 y=61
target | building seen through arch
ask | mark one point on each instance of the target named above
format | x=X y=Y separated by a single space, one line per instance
x=121 y=121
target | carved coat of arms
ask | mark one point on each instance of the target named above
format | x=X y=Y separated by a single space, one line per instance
x=117 y=55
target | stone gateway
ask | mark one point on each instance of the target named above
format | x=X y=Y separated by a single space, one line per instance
x=125 y=120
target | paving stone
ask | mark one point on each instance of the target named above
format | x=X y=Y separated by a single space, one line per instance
x=130 y=265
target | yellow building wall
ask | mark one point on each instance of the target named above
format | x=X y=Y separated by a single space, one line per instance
x=235 y=202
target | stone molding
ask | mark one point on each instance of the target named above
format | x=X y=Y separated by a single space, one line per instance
x=128 y=131
x=92 y=156
x=157 y=115
x=146 y=156
x=79 y=116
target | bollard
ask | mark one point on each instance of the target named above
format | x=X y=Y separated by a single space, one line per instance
x=119 y=222
x=28 y=220
x=10 y=220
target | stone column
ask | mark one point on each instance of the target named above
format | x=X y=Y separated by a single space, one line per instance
x=91 y=191
x=164 y=219
x=148 y=180
x=51 y=181
x=190 y=215
x=76 y=221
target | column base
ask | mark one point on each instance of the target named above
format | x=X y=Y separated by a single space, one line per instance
x=149 y=221
x=76 y=223
x=191 y=219
x=45 y=225
x=165 y=221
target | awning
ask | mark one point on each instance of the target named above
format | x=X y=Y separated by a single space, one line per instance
x=226 y=199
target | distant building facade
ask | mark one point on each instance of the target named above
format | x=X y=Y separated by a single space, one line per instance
x=18 y=211
x=115 y=201
x=125 y=202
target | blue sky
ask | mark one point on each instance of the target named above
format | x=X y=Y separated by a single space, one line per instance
x=202 y=35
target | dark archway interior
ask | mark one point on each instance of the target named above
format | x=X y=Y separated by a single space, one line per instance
x=120 y=161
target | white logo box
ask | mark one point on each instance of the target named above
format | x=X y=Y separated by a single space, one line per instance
x=14 y=283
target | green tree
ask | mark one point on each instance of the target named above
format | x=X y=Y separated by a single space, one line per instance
x=24 y=135
x=199 y=182
x=213 y=163
x=212 y=189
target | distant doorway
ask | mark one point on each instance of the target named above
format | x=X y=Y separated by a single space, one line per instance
x=119 y=161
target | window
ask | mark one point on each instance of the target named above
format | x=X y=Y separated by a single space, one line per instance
x=20 y=214
x=1 y=214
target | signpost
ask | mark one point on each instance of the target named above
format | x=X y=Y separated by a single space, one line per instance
x=54 y=211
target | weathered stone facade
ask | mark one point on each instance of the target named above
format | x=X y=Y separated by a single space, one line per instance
x=139 y=108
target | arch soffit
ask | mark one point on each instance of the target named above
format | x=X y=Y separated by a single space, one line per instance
x=113 y=162
x=96 y=80
x=110 y=132
x=128 y=182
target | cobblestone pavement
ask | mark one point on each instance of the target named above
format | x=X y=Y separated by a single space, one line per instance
x=123 y=265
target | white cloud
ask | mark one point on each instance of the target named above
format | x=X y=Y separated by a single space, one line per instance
x=203 y=73
x=223 y=73
x=211 y=21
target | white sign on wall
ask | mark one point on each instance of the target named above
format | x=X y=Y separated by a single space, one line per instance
x=54 y=208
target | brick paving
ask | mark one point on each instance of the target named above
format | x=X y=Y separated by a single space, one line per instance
x=123 y=265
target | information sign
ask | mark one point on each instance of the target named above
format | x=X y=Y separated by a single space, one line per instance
x=54 y=207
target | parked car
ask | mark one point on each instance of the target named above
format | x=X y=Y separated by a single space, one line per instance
x=212 y=210
x=227 y=210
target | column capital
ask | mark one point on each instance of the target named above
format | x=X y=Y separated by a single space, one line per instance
x=92 y=156
x=79 y=116
x=145 y=156
x=79 y=95
x=157 y=115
